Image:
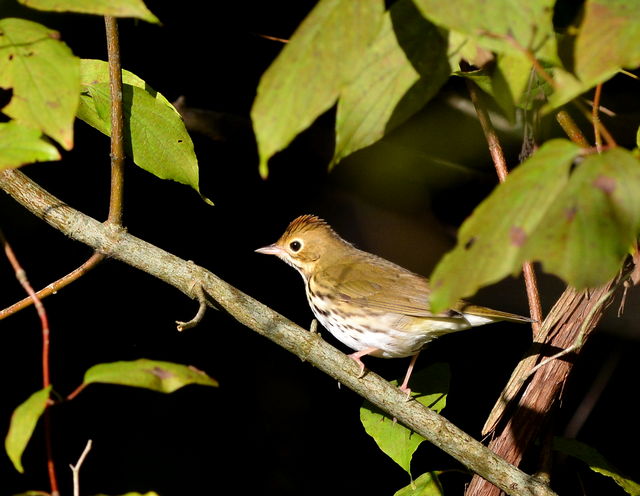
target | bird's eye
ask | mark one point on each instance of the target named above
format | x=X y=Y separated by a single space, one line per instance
x=295 y=245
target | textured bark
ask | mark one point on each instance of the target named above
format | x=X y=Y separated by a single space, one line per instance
x=519 y=420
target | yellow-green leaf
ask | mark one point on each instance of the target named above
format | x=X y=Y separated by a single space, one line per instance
x=155 y=136
x=115 y=8
x=596 y=462
x=402 y=69
x=394 y=439
x=20 y=145
x=608 y=40
x=44 y=76
x=425 y=485
x=164 y=377
x=499 y=226
x=503 y=26
x=23 y=423
x=323 y=55
x=589 y=228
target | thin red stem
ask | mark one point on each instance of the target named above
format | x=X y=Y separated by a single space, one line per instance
x=21 y=275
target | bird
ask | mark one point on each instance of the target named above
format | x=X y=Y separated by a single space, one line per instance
x=370 y=304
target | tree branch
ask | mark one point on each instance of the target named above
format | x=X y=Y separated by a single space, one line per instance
x=181 y=274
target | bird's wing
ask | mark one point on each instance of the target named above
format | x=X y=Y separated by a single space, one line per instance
x=381 y=286
x=386 y=286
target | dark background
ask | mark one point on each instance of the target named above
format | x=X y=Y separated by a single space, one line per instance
x=275 y=425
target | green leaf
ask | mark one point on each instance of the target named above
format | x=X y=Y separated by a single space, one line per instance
x=589 y=229
x=596 y=462
x=608 y=40
x=20 y=145
x=115 y=8
x=44 y=77
x=34 y=493
x=579 y=223
x=23 y=423
x=164 y=377
x=496 y=230
x=155 y=136
x=389 y=89
x=394 y=439
x=323 y=55
x=425 y=485
x=503 y=26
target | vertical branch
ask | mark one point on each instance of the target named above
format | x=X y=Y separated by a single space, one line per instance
x=21 y=275
x=595 y=117
x=117 y=122
x=497 y=155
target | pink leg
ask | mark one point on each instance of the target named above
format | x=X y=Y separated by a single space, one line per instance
x=405 y=384
x=358 y=354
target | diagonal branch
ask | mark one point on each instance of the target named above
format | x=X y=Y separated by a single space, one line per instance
x=181 y=274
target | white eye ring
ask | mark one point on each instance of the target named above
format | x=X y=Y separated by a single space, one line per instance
x=295 y=246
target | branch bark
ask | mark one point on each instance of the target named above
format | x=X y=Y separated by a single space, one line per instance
x=116 y=243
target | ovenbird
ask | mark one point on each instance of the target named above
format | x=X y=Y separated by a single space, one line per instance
x=370 y=304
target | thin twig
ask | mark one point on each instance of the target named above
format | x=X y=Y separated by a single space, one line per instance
x=500 y=164
x=595 y=117
x=117 y=122
x=571 y=129
x=21 y=275
x=611 y=142
x=55 y=286
x=75 y=469
x=202 y=300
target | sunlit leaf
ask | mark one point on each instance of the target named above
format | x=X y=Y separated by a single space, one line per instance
x=430 y=387
x=503 y=26
x=389 y=89
x=323 y=55
x=116 y=8
x=155 y=136
x=44 y=77
x=164 y=377
x=498 y=228
x=589 y=228
x=596 y=462
x=425 y=485
x=20 y=145
x=579 y=222
x=23 y=423
x=608 y=40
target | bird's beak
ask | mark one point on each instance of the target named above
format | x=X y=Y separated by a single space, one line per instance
x=271 y=250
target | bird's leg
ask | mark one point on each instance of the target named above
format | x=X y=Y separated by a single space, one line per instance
x=405 y=384
x=356 y=358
